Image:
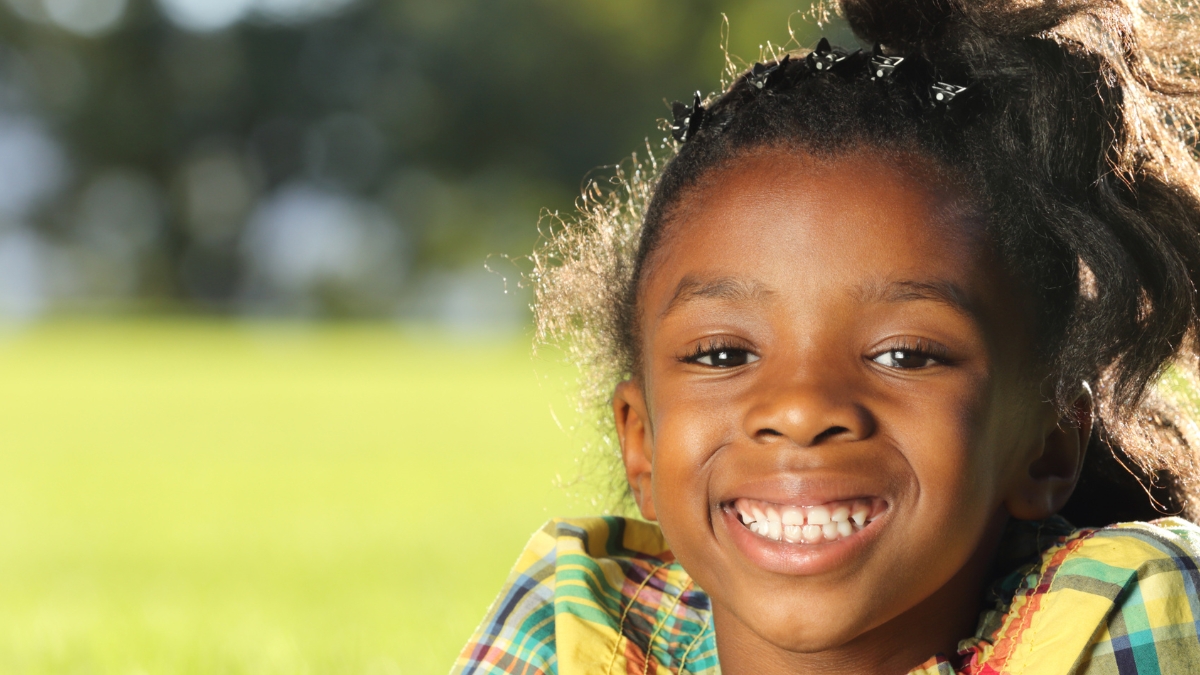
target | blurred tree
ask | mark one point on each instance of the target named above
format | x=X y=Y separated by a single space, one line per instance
x=294 y=156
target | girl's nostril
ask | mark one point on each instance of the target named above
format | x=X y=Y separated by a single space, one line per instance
x=829 y=433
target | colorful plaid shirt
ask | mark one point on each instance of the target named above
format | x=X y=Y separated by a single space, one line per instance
x=604 y=596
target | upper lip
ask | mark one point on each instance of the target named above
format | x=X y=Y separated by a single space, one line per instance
x=803 y=490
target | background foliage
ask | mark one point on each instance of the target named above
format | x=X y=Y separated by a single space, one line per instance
x=263 y=410
x=323 y=157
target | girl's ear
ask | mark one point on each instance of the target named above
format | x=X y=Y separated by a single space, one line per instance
x=1051 y=474
x=637 y=444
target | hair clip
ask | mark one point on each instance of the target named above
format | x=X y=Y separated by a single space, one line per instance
x=687 y=118
x=944 y=92
x=883 y=66
x=823 y=57
x=760 y=74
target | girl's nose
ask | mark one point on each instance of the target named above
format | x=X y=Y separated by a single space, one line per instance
x=808 y=412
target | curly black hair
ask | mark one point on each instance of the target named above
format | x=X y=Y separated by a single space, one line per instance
x=1076 y=143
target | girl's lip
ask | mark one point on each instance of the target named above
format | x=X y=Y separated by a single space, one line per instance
x=798 y=559
x=807 y=488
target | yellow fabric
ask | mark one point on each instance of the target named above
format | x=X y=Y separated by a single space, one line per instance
x=605 y=596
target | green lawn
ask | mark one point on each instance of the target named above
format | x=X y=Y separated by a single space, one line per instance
x=192 y=497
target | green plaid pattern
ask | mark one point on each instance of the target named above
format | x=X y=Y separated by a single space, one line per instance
x=605 y=596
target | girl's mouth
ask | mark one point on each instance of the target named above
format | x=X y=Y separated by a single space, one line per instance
x=807 y=525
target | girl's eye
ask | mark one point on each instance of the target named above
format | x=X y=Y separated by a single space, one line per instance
x=725 y=358
x=905 y=359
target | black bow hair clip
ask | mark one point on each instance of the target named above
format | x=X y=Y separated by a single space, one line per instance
x=883 y=66
x=823 y=58
x=760 y=74
x=944 y=92
x=687 y=118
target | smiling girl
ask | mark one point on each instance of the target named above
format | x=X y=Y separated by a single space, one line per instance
x=887 y=342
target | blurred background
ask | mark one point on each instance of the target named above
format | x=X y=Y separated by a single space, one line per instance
x=264 y=408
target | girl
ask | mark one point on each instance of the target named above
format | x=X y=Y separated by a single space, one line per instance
x=885 y=329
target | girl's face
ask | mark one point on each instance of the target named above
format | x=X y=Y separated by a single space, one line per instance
x=835 y=333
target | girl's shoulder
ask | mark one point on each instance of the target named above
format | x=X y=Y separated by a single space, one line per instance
x=591 y=594
x=1116 y=599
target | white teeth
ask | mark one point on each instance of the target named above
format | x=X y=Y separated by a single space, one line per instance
x=860 y=515
x=840 y=515
x=808 y=524
x=774 y=530
x=747 y=517
x=818 y=515
x=793 y=516
x=774 y=524
x=772 y=514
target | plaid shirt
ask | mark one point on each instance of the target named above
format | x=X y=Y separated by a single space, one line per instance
x=604 y=596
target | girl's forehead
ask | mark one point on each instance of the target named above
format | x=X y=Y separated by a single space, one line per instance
x=852 y=218
x=856 y=184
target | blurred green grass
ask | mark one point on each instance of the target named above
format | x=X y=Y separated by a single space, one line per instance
x=221 y=498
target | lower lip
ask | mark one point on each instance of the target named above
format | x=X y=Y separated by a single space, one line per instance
x=798 y=559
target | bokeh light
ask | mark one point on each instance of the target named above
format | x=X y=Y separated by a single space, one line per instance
x=305 y=242
x=32 y=164
x=212 y=15
x=205 y=15
x=86 y=17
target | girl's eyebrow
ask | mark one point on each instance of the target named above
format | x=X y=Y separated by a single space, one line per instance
x=720 y=288
x=941 y=291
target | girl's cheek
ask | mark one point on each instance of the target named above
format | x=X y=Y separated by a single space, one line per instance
x=984 y=434
x=941 y=431
x=691 y=429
